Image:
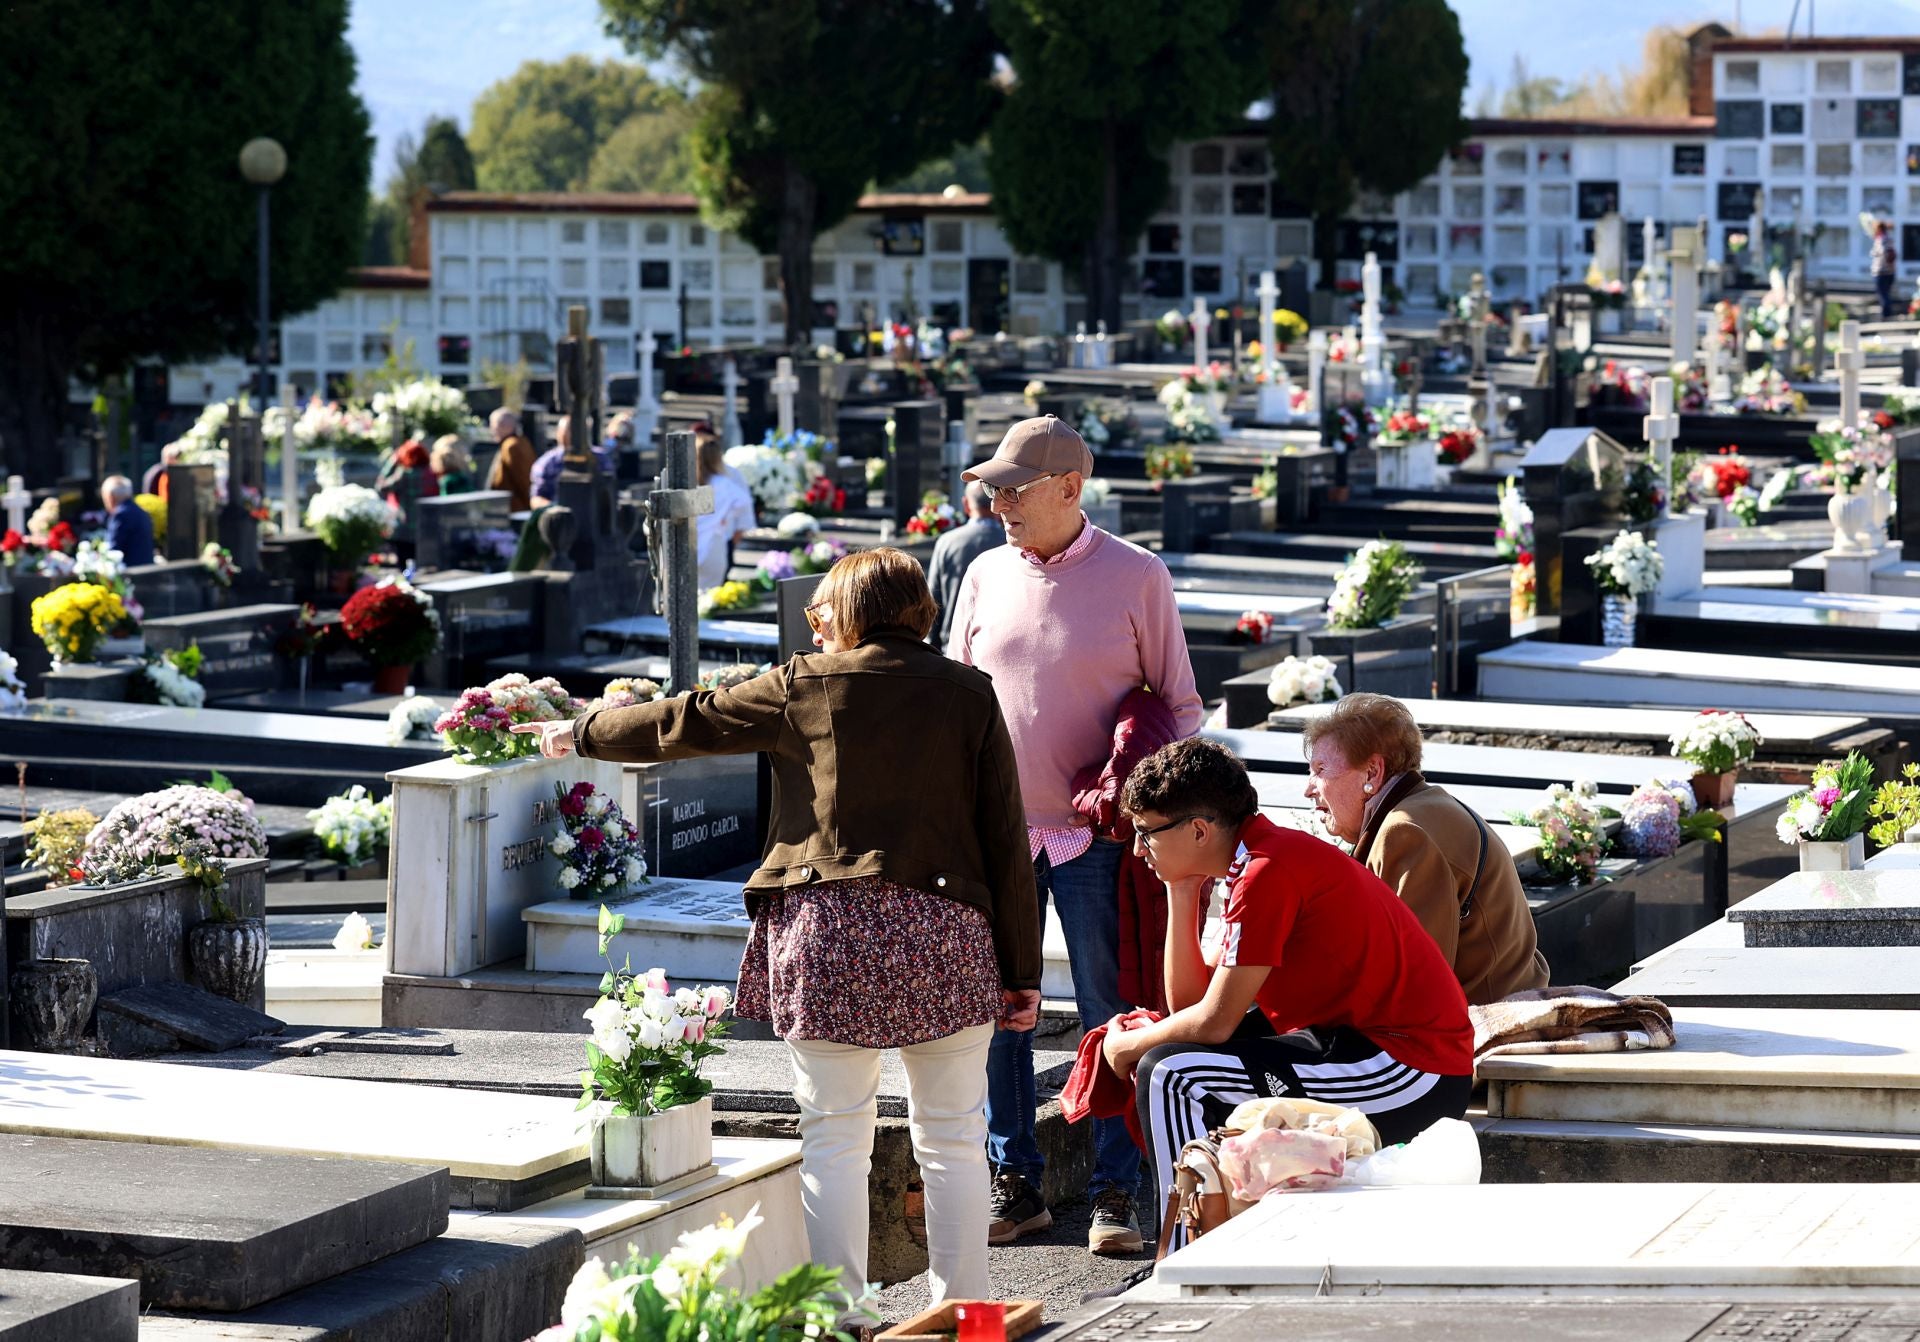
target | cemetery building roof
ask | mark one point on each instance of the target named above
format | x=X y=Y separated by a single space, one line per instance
x=651 y=202
x=1751 y=44
x=389 y=277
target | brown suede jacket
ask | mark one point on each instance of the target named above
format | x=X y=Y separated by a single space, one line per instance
x=888 y=759
x=1426 y=846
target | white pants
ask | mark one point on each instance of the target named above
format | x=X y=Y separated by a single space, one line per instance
x=946 y=1113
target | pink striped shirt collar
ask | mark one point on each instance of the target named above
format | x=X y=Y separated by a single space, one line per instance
x=1080 y=545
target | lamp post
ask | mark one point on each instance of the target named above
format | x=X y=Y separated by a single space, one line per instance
x=263 y=162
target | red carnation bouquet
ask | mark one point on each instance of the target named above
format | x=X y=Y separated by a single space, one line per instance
x=1458 y=443
x=391 y=623
x=1725 y=473
x=823 y=498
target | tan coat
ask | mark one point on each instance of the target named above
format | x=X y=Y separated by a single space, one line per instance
x=1425 y=845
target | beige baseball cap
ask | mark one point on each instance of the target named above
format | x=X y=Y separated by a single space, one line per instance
x=1033 y=448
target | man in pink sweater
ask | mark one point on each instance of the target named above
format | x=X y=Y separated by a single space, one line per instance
x=1068 y=620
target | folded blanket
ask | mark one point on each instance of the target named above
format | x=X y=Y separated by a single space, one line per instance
x=1569 y=1020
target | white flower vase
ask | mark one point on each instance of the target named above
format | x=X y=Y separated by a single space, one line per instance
x=1845 y=855
x=1880 y=509
x=1275 y=404
x=1850 y=513
x=1217 y=403
x=1618 y=617
x=650 y=1151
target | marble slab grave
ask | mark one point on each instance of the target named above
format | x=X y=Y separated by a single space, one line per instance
x=1818 y=1070
x=502 y=1150
x=1581 y=673
x=1836 y=908
x=1494 y=1239
x=66 y=1307
x=1714 y=967
x=201 y=1229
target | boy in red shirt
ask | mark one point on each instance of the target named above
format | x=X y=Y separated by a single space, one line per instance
x=1356 y=1005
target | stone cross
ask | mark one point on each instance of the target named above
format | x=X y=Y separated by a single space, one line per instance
x=1686 y=303
x=16 y=500
x=646 y=412
x=1269 y=292
x=1198 y=321
x=1078 y=355
x=1848 y=360
x=289 y=464
x=785 y=386
x=729 y=393
x=1661 y=427
x=1477 y=321
x=1316 y=368
x=1757 y=238
x=672 y=509
x=1372 y=339
x=1719 y=383
x=1646 y=244
x=1797 y=302
x=576 y=384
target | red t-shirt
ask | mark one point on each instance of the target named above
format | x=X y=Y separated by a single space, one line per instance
x=1344 y=950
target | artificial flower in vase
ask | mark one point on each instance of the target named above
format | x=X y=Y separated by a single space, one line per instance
x=1627 y=569
x=1716 y=743
x=651 y=1111
x=1828 y=821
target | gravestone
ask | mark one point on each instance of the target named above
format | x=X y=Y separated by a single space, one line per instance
x=192 y=510
x=464 y=531
x=172 y=587
x=236 y=645
x=697 y=817
x=816 y=405
x=919 y=432
x=1906 y=468
x=239 y=529
x=67 y=1307
x=1833 y=908
x=1571 y=478
x=482 y=616
x=1201 y=506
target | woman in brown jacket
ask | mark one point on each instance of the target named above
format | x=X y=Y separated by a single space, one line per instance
x=894 y=906
x=1364 y=777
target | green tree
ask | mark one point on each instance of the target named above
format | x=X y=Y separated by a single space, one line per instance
x=965 y=167
x=649 y=152
x=1366 y=94
x=126 y=229
x=804 y=102
x=545 y=126
x=1102 y=90
x=437 y=161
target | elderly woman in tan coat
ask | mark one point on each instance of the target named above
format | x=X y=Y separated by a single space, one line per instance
x=1363 y=762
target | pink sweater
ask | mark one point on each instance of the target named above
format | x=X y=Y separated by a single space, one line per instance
x=1064 y=644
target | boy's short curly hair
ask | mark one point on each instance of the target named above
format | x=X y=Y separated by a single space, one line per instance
x=1192 y=777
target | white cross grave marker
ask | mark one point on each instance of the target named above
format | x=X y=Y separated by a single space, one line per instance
x=1269 y=292
x=1477 y=321
x=1198 y=321
x=785 y=386
x=1372 y=338
x=729 y=390
x=1848 y=360
x=289 y=463
x=1661 y=427
x=1719 y=382
x=16 y=501
x=646 y=414
x=1316 y=368
x=1686 y=304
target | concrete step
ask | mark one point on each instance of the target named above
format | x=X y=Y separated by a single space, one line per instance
x=1902 y=580
x=65 y=1307
x=1515 y=1150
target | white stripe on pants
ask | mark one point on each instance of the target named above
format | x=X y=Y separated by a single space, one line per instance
x=1175 y=1096
x=946 y=1112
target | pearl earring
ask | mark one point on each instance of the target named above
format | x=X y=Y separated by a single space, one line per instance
x=1366 y=787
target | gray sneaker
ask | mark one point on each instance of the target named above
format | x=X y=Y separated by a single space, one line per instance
x=1115 y=1228
x=1016 y=1209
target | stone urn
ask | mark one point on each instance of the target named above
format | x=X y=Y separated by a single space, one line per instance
x=52 y=1002
x=650 y=1150
x=228 y=958
x=1851 y=514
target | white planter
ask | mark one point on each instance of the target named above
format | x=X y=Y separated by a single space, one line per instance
x=1274 y=404
x=1413 y=465
x=1851 y=514
x=1848 y=856
x=649 y=1150
x=1217 y=402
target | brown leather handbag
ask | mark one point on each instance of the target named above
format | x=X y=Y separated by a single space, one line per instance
x=1199 y=1200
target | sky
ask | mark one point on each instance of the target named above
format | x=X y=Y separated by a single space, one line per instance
x=421 y=58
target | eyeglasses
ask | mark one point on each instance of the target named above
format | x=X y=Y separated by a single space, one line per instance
x=819 y=623
x=1012 y=493
x=1162 y=829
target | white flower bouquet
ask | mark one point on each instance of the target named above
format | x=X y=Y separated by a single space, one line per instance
x=353 y=827
x=1189 y=415
x=1373 y=586
x=774 y=478
x=649 y=1040
x=326 y=426
x=13 y=690
x=172 y=686
x=351 y=520
x=1630 y=565
x=1303 y=680
x=412 y=719
x=94 y=562
x=795 y=525
x=1716 y=741
x=424 y=408
x=625 y=692
x=355 y=934
x=1835 y=808
x=598 y=847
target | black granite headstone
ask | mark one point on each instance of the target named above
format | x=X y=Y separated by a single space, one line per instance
x=173 y=587
x=816 y=407
x=192 y=510
x=919 y=430
x=1906 y=479
x=699 y=817
x=1571 y=478
x=465 y=531
x=236 y=646
x=482 y=616
x=1193 y=509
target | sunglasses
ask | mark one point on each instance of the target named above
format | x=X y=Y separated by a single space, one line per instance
x=818 y=623
x=1012 y=493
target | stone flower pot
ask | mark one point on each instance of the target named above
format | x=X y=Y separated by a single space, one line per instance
x=52 y=1002
x=391 y=679
x=229 y=958
x=1715 y=790
x=649 y=1150
x=1845 y=855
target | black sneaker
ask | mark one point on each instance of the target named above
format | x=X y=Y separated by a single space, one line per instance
x=1016 y=1209
x=1115 y=1229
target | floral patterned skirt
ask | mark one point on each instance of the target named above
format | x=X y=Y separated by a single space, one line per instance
x=868 y=963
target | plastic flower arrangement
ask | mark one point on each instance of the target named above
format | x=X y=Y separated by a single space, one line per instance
x=146 y=827
x=1376 y=582
x=13 y=690
x=155 y=508
x=392 y=623
x=1848 y=455
x=801 y=443
x=795 y=525
x=1215 y=377
x=1778 y=486
x=1765 y=392
x=774 y=478
x=1189 y=417
x=1170 y=461
x=351 y=521
x=94 y=562
x=726 y=677
x=1457 y=442
x=1901 y=406
x=677 y=1296
x=649 y=1040
x=171 y=683
x=1743 y=505
x=936 y=515
x=352 y=826
x=1289 y=327
x=1403 y=427
x=56 y=840
x=1650 y=821
x=728 y=596
x=1346 y=426
x=412 y=719
x=217 y=560
x=1630 y=565
x=1716 y=741
x=1253 y=626
x=305 y=635
x=1835 y=808
x=1896 y=806
x=355 y=934
x=1725 y=473
x=1171 y=327
x=598 y=847
x=1515 y=532
x=1303 y=680
x=424 y=408
x=625 y=693
x=822 y=498
x=1571 y=840
x=475 y=729
x=73 y=618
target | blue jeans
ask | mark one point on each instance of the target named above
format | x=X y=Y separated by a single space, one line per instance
x=1086 y=895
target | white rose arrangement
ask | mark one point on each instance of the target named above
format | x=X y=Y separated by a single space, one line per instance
x=1630 y=565
x=1716 y=741
x=412 y=719
x=353 y=827
x=1303 y=680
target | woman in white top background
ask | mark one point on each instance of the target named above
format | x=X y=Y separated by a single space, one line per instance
x=715 y=532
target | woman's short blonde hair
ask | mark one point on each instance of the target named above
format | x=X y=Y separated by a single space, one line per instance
x=450 y=454
x=871 y=588
x=1364 y=725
